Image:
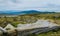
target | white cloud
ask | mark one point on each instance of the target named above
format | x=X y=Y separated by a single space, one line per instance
x=44 y=5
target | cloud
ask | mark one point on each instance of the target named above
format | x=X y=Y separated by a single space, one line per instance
x=44 y=5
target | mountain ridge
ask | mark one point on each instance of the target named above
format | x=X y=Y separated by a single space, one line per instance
x=23 y=12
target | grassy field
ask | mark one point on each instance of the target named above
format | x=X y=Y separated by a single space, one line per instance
x=31 y=18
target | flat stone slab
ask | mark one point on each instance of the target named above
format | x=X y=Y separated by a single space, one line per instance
x=38 y=24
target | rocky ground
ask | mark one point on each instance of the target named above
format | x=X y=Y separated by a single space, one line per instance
x=29 y=19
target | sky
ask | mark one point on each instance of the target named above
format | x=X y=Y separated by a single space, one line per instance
x=41 y=5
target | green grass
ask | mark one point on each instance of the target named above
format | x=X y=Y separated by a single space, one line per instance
x=23 y=19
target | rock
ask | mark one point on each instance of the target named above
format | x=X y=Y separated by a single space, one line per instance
x=9 y=27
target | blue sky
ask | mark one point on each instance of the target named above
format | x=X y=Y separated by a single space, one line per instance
x=41 y=5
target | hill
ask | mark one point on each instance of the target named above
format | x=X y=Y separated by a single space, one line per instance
x=23 y=12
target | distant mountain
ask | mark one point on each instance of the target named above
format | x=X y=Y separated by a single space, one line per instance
x=23 y=12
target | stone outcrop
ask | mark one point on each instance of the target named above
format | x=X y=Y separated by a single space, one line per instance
x=41 y=26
